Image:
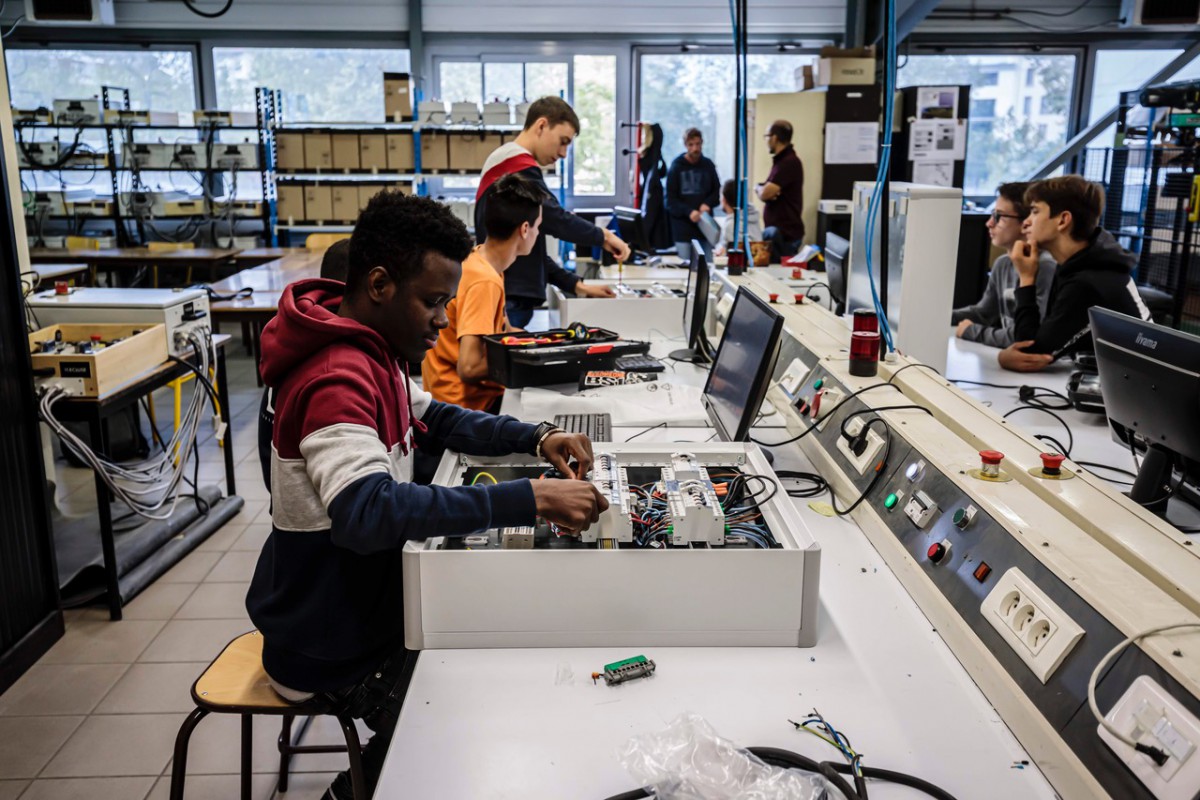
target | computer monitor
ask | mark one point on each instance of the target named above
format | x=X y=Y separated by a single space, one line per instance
x=737 y=383
x=837 y=251
x=698 y=350
x=1150 y=379
x=631 y=226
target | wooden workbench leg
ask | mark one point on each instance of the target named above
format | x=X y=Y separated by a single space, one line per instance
x=223 y=397
x=104 y=509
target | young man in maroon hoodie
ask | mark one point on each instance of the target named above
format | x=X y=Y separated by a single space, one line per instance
x=327 y=594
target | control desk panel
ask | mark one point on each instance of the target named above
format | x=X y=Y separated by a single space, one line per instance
x=1029 y=601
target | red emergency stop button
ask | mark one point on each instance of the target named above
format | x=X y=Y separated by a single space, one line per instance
x=1052 y=463
x=991 y=463
x=797 y=273
x=798 y=299
x=774 y=297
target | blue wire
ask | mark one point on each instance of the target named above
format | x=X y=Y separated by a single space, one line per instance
x=881 y=179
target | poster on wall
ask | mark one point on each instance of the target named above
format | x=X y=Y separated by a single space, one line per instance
x=937 y=102
x=938 y=140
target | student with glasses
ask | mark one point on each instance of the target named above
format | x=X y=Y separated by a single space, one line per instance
x=992 y=321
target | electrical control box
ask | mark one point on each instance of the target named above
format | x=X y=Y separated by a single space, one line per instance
x=38 y=154
x=181 y=311
x=641 y=308
x=77 y=112
x=630 y=584
x=160 y=155
x=95 y=360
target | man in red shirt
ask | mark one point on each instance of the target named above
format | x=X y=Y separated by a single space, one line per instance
x=783 y=194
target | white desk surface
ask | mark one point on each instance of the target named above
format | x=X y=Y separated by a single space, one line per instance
x=530 y=723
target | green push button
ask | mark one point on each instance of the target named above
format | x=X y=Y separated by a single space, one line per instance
x=818 y=384
x=889 y=502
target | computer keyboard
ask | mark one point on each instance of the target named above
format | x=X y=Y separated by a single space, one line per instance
x=639 y=364
x=597 y=427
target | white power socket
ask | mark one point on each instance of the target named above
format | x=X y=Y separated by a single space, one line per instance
x=1149 y=715
x=869 y=454
x=1033 y=625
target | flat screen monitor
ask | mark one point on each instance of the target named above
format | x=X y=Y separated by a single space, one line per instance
x=737 y=383
x=698 y=350
x=1150 y=379
x=837 y=251
x=632 y=228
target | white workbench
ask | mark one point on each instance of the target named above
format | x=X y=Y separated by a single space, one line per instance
x=531 y=724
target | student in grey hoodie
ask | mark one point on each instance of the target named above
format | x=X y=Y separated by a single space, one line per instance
x=992 y=320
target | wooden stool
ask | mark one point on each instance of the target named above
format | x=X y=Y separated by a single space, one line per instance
x=236 y=683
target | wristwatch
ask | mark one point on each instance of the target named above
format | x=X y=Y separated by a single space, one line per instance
x=540 y=434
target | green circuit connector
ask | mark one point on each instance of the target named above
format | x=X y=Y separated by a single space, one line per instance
x=621 y=671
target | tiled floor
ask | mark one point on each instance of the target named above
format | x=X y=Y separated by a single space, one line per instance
x=96 y=718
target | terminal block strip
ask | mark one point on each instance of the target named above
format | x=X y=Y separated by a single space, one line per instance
x=696 y=512
x=613 y=484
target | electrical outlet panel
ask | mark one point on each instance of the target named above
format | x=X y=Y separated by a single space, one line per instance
x=235 y=156
x=1033 y=625
x=1149 y=715
x=870 y=453
x=793 y=377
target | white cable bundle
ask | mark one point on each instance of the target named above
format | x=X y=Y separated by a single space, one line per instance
x=149 y=486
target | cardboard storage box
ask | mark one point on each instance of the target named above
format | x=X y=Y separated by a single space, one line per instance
x=345 y=150
x=435 y=152
x=470 y=150
x=397 y=97
x=372 y=152
x=289 y=152
x=838 y=67
x=289 y=203
x=400 y=153
x=318 y=151
x=318 y=203
x=344 y=201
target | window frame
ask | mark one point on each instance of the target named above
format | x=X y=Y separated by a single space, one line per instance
x=482 y=50
x=190 y=46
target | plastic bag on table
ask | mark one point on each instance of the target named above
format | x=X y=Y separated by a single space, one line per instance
x=689 y=761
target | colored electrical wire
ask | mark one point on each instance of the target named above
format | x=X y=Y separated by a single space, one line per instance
x=487 y=475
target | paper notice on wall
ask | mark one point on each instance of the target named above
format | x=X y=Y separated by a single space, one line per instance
x=937 y=102
x=937 y=140
x=851 y=142
x=933 y=173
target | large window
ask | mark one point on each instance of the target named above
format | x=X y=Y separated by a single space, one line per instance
x=1015 y=141
x=588 y=82
x=319 y=84
x=683 y=90
x=160 y=80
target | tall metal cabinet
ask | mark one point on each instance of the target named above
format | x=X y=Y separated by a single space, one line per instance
x=30 y=618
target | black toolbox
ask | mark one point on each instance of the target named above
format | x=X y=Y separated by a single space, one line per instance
x=542 y=358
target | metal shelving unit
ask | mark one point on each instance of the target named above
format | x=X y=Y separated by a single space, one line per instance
x=118 y=98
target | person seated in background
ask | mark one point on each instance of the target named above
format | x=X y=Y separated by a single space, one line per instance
x=692 y=189
x=1093 y=270
x=729 y=201
x=327 y=593
x=990 y=321
x=456 y=369
x=334 y=265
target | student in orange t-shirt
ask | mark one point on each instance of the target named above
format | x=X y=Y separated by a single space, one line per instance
x=455 y=370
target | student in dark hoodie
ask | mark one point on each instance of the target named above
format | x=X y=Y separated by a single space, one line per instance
x=693 y=189
x=550 y=127
x=327 y=593
x=1093 y=270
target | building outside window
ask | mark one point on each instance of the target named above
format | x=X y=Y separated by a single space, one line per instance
x=1013 y=144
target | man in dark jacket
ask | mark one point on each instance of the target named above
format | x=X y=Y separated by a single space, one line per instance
x=693 y=189
x=550 y=127
x=327 y=593
x=1093 y=270
x=782 y=194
